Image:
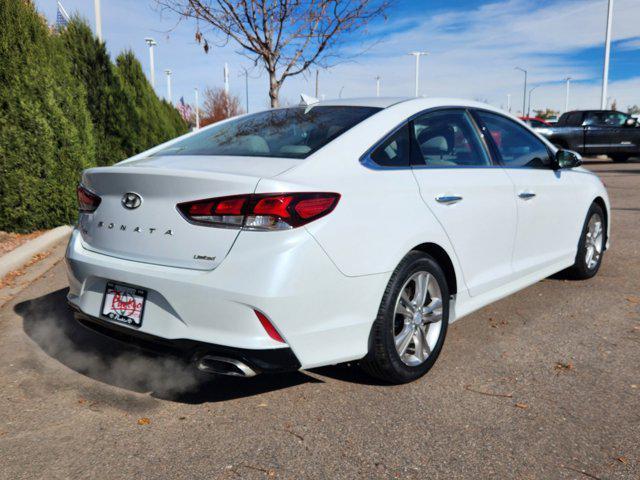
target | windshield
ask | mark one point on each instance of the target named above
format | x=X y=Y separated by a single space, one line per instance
x=288 y=132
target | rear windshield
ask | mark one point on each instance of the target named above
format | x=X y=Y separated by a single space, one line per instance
x=288 y=132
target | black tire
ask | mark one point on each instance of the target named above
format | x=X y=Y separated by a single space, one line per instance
x=580 y=270
x=383 y=360
x=620 y=157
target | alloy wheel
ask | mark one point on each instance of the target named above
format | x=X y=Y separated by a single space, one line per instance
x=594 y=240
x=417 y=318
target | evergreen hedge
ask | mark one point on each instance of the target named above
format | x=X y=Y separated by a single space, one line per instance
x=64 y=106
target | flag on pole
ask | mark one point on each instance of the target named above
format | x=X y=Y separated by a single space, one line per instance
x=62 y=17
x=185 y=110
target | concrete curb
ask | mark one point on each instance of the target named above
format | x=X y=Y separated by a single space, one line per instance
x=18 y=257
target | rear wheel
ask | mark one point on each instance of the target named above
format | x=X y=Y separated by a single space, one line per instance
x=412 y=321
x=619 y=157
x=591 y=245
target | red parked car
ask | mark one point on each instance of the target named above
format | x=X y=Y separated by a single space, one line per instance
x=535 y=122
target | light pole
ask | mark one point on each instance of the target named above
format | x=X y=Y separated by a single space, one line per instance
x=607 y=52
x=566 y=100
x=226 y=79
x=168 y=74
x=96 y=7
x=530 y=92
x=246 y=87
x=152 y=43
x=317 y=83
x=524 y=95
x=418 y=55
x=197 y=110
x=378 y=86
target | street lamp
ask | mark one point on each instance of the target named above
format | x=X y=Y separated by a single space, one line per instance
x=524 y=95
x=418 y=55
x=96 y=7
x=197 y=110
x=607 y=52
x=530 y=92
x=378 y=86
x=152 y=43
x=566 y=100
x=168 y=74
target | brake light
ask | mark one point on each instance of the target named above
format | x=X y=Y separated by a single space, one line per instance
x=274 y=211
x=87 y=200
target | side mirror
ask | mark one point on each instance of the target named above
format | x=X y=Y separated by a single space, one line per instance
x=631 y=122
x=568 y=159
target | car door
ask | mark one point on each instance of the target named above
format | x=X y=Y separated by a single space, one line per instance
x=605 y=133
x=471 y=197
x=549 y=215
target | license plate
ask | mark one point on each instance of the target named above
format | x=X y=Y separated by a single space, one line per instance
x=124 y=304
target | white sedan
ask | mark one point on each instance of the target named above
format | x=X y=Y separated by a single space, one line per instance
x=329 y=232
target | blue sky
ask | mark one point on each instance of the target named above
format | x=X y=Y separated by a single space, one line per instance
x=473 y=48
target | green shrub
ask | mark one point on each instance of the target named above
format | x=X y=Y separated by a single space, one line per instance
x=46 y=135
x=64 y=106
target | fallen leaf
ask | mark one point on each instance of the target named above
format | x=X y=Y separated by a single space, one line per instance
x=182 y=418
x=144 y=421
x=633 y=299
x=262 y=404
x=563 y=367
x=622 y=460
x=523 y=406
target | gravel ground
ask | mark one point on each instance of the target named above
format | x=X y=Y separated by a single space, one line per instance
x=544 y=384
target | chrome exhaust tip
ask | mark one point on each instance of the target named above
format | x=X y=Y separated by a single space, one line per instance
x=225 y=366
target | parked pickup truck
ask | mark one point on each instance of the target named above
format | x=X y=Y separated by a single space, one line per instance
x=597 y=132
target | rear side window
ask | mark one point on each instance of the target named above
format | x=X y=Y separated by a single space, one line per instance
x=288 y=132
x=518 y=147
x=394 y=150
x=606 y=119
x=448 y=138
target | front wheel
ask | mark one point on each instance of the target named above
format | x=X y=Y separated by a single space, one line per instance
x=412 y=321
x=591 y=245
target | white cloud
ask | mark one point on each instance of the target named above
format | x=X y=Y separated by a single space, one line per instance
x=473 y=55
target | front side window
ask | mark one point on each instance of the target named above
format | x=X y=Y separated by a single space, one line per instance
x=518 y=147
x=288 y=132
x=447 y=138
x=394 y=150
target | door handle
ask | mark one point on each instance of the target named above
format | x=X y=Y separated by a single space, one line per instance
x=448 y=199
x=526 y=195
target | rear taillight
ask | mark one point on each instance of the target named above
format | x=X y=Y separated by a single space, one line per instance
x=277 y=211
x=87 y=200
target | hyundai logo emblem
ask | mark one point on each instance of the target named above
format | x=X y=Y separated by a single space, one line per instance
x=131 y=200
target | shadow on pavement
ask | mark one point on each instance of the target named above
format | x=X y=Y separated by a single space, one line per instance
x=49 y=322
x=590 y=161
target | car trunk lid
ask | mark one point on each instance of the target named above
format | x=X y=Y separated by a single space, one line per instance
x=155 y=231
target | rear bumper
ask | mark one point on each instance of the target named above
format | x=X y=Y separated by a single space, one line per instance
x=323 y=316
x=261 y=361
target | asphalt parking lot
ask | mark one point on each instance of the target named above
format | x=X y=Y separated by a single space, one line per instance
x=544 y=384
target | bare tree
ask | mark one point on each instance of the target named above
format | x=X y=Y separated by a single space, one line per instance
x=219 y=105
x=286 y=36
